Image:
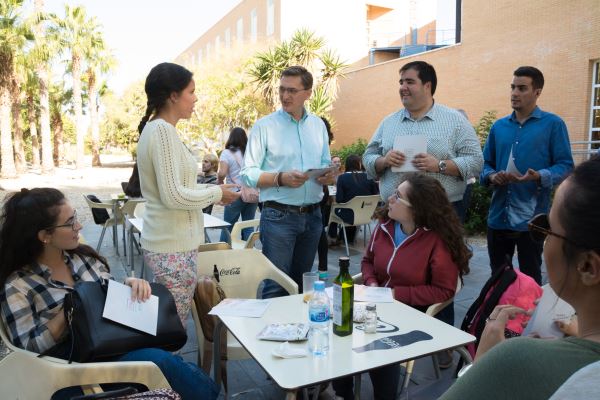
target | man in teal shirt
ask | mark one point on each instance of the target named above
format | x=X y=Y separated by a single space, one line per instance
x=282 y=146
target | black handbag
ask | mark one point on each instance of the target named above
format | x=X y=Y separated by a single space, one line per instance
x=94 y=338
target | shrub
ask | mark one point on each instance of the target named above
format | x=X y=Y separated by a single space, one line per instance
x=357 y=148
x=476 y=219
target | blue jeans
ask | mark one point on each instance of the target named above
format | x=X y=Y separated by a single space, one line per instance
x=232 y=214
x=289 y=240
x=185 y=378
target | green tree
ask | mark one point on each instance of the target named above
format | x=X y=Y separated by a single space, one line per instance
x=99 y=61
x=78 y=34
x=14 y=35
x=308 y=50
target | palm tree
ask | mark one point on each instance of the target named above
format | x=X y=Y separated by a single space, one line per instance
x=58 y=99
x=308 y=50
x=30 y=88
x=16 y=95
x=14 y=34
x=46 y=47
x=77 y=34
x=99 y=61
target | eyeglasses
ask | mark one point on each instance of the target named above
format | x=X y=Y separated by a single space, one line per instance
x=292 y=91
x=539 y=228
x=399 y=198
x=74 y=221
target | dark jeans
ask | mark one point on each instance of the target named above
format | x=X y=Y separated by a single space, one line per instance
x=385 y=382
x=501 y=247
x=232 y=213
x=289 y=240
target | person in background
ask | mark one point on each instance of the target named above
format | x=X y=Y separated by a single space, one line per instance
x=418 y=251
x=470 y=182
x=230 y=165
x=173 y=220
x=353 y=182
x=323 y=249
x=527 y=154
x=210 y=164
x=530 y=368
x=41 y=260
x=282 y=146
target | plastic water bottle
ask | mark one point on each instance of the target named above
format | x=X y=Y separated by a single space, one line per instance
x=318 y=317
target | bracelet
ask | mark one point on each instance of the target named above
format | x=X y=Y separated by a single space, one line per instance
x=276 y=181
x=488 y=319
x=279 y=179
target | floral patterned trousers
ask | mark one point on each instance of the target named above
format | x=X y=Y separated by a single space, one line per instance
x=178 y=272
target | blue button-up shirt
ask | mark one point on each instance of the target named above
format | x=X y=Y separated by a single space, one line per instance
x=279 y=143
x=540 y=143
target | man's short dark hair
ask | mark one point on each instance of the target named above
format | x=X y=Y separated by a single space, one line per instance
x=537 y=78
x=425 y=71
x=297 y=70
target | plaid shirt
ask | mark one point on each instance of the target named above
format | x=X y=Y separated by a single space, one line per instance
x=30 y=298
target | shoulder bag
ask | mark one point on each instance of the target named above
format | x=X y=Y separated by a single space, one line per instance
x=94 y=338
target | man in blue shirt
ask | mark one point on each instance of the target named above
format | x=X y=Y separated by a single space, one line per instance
x=526 y=155
x=282 y=146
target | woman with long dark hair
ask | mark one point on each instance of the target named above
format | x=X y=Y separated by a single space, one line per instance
x=419 y=252
x=230 y=165
x=173 y=220
x=41 y=260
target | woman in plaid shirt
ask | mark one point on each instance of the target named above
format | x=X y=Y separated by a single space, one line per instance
x=41 y=259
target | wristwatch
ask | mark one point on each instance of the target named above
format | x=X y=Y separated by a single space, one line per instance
x=442 y=166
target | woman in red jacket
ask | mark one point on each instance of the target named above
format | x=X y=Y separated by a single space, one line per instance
x=418 y=250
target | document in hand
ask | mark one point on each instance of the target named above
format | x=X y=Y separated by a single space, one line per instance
x=120 y=308
x=551 y=308
x=410 y=146
x=315 y=173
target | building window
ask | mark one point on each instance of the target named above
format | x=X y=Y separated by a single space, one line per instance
x=227 y=38
x=240 y=30
x=217 y=44
x=595 y=106
x=253 y=26
x=199 y=56
x=270 y=17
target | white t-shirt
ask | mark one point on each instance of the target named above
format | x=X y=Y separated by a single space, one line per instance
x=233 y=161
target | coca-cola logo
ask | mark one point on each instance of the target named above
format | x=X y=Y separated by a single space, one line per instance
x=227 y=271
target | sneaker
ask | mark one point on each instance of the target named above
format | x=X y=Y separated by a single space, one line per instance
x=445 y=359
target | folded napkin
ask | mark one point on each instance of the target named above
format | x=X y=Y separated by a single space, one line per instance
x=284 y=350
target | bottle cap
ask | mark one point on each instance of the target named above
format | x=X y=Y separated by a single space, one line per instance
x=319 y=285
x=371 y=307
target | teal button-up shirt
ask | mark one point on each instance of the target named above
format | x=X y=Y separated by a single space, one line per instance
x=279 y=143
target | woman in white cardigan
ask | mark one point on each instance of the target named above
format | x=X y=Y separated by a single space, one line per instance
x=173 y=220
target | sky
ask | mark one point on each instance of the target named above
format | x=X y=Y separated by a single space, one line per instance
x=143 y=33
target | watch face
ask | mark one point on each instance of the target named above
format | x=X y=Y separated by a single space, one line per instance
x=442 y=166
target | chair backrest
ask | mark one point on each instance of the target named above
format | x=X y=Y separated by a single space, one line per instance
x=139 y=210
x=252 y=240
x=236 y=232
x=99 y=209
x=362 y=206
x=241 y=271
x=214 y=246
x=128 y=208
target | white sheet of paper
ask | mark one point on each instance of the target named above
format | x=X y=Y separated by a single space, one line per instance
x=252 y=308
x=120 y=308
x=409 y=145
x=511 y=168
x=550 y=308
x=369 y=294
x=314 y=173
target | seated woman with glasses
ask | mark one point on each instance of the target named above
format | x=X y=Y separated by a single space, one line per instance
x=41 y=259
x=528 y=368
x=419 y=252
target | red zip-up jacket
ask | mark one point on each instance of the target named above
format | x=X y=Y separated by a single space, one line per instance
x=420 y=271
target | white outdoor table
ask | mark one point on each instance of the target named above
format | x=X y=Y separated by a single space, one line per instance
x=293 y=374
x=210 y=222
x=116 y=199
